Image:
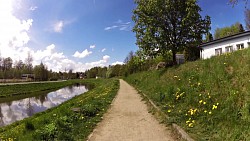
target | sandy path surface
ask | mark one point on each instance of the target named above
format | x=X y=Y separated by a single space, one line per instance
x=128 y=120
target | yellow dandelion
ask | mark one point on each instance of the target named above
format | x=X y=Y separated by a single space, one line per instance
x=214 y=107
x=204 y=103
x=210 y=113
x=205 y=111
x=200 y=101
x=169 y=111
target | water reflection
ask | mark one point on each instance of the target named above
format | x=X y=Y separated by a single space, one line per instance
x=20 y=109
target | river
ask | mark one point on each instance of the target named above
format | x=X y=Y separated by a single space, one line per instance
x=20 y=109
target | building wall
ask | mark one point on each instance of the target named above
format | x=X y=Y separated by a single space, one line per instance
x=209 y=50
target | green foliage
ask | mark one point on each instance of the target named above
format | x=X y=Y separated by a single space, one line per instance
x=167 y=25
x=208 y=98
x=29 y=125
x=61 y=122
x=227 y=31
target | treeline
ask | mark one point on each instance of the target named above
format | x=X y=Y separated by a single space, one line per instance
x=10 y=69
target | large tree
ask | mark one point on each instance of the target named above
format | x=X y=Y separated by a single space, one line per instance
x=168 y=25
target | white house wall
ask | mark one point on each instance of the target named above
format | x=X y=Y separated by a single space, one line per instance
x=209 y=50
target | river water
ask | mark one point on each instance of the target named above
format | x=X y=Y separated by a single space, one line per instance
x=20 y=109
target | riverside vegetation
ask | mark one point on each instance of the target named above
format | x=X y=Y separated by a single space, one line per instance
x=64 y=123
x=209 y=98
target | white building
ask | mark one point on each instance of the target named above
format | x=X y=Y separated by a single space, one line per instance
x=225 y=45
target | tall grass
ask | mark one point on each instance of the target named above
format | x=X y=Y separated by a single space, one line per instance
x=209 y=98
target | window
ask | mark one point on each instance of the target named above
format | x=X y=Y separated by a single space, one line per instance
x=240 y=46
x=229 y=49
x=218 y=51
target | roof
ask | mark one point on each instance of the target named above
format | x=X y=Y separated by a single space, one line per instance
x=242 y=34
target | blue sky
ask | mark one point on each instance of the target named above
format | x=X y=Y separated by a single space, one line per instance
x=81 y=34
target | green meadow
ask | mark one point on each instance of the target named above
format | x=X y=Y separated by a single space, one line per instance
x=209 y=98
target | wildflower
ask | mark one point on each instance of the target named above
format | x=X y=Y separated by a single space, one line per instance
x=175 y=76
x=205 y=111
x=190 y=125
x=217 y=104
x=209 y=97
x=179 y=79
x=210 y=113
x=225 y=63
x=204 y=103
x=200 y=101
x=214 y=107
x=199 y=84
x=169 y=111
x=199 y=94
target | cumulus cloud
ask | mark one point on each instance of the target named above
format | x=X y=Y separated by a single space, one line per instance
x=83 y=54
x=117 y=63
x=13 y=31
x=92 y=46
x=102 y=62
x=123 y=26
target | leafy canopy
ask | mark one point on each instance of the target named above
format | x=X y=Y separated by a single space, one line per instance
x=168 y=25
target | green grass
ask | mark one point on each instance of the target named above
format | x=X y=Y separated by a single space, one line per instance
x=62 y=123
x=210 y=98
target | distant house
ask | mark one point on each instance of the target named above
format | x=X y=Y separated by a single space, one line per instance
x=28 y=77
x=225 y=45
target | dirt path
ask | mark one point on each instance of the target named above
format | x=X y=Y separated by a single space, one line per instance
x=129 y=120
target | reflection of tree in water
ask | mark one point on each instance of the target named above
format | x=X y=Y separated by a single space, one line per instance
x=9 y=103
x=1 y=116
x=70 y=88
x=30 y=110
x=42 y=98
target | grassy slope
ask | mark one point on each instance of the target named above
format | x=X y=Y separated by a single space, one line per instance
x=61 y=123
x=209 y=98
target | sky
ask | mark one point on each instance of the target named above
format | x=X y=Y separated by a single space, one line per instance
x=81 y=34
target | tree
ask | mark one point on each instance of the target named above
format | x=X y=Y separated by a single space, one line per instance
x=229 y=30
x=234 y=2
x=247 y=18
x=209 y=37
x=41 y=72
x=168 y=25
x=28 y=62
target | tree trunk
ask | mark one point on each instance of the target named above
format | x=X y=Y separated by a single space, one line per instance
x=174 y=57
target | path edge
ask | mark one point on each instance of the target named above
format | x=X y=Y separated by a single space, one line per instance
x=181 y=132
x=109 y=108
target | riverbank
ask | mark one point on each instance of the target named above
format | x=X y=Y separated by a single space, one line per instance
x=208 y=98
x=22 y=90
x=72 y=120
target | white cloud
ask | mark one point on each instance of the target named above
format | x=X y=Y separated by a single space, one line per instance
x=13 y=31
x=83 y=54
x=110 y=27
x=117 y=63
x=58 y=26
x=123 y=26
x=92 y=46
x=33 y=8
x=103 y=62
x=104 y=49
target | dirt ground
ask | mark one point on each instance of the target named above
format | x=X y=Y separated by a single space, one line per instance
x=128 y=120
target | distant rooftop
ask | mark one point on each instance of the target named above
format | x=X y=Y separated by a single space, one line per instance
x=242 y=34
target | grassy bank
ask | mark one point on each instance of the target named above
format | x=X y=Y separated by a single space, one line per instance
x=210 y=98
x=63 y=123
x=25 y=90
